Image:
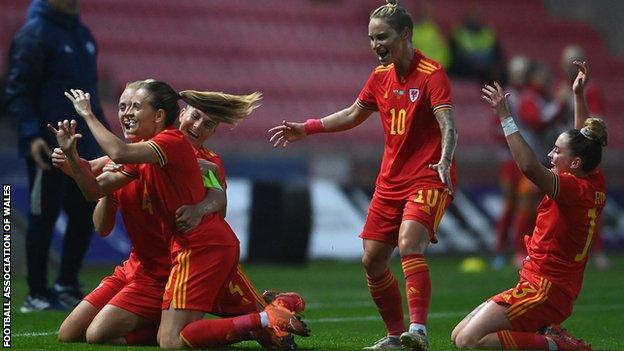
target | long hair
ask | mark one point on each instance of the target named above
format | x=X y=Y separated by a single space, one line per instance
x=222 y=107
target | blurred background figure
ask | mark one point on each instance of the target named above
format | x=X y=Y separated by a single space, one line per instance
x=428 y=37
x=596 y=104
x=476 y=51
x=509 y=174
x=51 y=53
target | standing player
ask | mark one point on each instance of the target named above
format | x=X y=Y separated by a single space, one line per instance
x=527 y=317
x=205 y=257
x=415 y=183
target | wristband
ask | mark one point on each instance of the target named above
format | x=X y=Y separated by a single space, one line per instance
x=509 y=126
x=313 y=126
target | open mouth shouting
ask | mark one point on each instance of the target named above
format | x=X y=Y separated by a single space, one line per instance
x=383 y=55
x=192 y=133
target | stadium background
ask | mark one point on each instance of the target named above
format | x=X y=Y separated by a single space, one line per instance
x=310 y=58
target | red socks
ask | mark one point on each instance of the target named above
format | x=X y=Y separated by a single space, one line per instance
x=386 y=294
x=417 y=287
x=514 y=340
x=207 y=333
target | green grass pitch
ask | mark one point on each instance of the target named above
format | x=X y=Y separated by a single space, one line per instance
x=342 y=316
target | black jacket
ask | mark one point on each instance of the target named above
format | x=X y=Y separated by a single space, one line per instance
x=52 y=53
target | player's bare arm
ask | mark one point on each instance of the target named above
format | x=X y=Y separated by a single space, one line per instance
x=104 y=215
x=345 y=119
x=522 y=153
x=581 y=110
x=448 y=134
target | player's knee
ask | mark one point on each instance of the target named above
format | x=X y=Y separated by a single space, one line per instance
x=69 y=333
x=465 y=341
x=95 y=336
x=170 y=342
x=373 y=266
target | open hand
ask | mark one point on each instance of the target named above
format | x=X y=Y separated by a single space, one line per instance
x=497 y=99
x=66 y=135
x=286 y=133
x=81 y=101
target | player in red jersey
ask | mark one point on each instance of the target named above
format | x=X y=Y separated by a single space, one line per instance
x=527 y=317
x=205 y=257
x=125 y=307
x=415 y=184
x=126 y=315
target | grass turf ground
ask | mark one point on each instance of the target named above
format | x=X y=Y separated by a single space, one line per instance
x=342 y=316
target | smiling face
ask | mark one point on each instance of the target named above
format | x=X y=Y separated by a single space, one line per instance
x=138 y=119
x=561 y=157
x=387 y=44
x=196 y=125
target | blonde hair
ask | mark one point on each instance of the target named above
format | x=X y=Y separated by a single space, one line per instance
x=397 y=17
x=222 y=107
x=595 y=129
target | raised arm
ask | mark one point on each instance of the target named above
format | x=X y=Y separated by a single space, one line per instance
x=581 y=109
x=348 y=118
x=449 y=142
x=92 y=188
x=521 y=151
x=115 y=148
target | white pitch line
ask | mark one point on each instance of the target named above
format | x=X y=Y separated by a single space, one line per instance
x=34 y=334
x=435 y=315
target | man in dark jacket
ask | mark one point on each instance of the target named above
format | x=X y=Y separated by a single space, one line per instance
x=52 y=53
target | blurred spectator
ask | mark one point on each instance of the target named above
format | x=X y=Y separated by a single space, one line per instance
x=52 y=53
x=509 y=176
x=428 y=38
x=594 y=96
x=476 y=52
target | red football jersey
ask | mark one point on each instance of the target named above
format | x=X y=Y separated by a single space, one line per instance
x=566 y=225
x=211 y=156
x=176 y=181
x=149 y=247
x=406 y=106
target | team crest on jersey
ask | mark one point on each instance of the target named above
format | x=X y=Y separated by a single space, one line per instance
x=413 y=94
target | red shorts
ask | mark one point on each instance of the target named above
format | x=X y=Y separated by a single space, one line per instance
x=534 y=303
x=426 y=206
x=238 y=297
x=141 y=295
x=198 y=275
x=108 y=288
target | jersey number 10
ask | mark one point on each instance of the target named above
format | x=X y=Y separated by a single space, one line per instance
x=397 y=125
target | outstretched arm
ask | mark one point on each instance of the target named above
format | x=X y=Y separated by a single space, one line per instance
x=348 y=118
x=92 y=188
x=115 y=148
x=521 y=151
x=581 y=110
x=449 y=142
